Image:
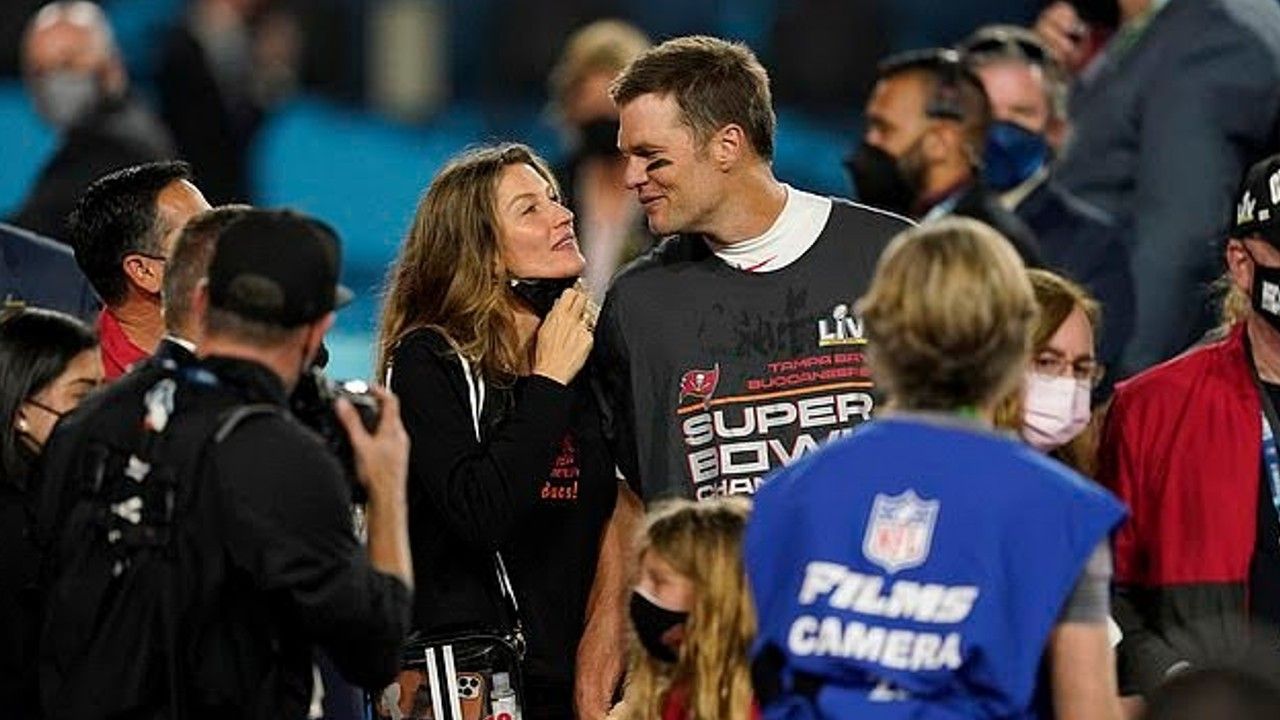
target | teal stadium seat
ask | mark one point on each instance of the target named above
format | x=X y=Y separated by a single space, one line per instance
x=27 y=144
x=363 y=176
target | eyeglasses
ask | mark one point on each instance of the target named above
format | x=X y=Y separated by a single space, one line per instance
x=1085 y=369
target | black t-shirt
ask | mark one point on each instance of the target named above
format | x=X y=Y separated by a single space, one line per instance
x=539 y=488
x=713 y=376
x=1264 y=568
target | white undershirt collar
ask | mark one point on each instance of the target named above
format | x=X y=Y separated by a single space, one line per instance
x=796 y=229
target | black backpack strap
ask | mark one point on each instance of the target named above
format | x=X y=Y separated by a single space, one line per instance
x=231 y=419
x=228 y=421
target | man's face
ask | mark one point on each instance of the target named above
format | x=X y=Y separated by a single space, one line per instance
x=177 y=203
x=69 y=66
x=675 y=180
x=895 y=114
x=64 y=46
x=1017 y=93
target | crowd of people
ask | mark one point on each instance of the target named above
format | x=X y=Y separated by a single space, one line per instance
x=659 y=435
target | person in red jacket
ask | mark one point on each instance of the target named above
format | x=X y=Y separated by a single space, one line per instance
x=1190 y=446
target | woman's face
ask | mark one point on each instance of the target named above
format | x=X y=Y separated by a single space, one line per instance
x=39 y=412
x=1069 y=352
x=535 y=232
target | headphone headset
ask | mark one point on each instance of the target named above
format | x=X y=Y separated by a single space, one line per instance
x=945 y=103
x=946 y=67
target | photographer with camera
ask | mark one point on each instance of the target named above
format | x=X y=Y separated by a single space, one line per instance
x=202 y=539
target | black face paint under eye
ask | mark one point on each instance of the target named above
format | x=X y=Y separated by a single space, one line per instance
x=656 y=165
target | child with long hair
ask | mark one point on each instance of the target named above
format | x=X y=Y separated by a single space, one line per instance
x=692 y=616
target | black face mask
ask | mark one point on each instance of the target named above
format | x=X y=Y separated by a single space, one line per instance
x=598 y=138
x=651 y=622
x=541 y=294
x=879 y=179
x=1265 y=293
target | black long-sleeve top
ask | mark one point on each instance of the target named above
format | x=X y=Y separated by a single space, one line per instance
x=538 y=487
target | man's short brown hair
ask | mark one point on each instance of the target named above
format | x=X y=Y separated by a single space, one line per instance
x=227 y=324
x=189 y=263
x=714 y=82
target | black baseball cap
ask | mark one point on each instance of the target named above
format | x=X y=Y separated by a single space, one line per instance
x=277 y=267
x=1258 y=203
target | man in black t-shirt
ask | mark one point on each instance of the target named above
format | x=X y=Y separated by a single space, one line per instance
x=733 y=347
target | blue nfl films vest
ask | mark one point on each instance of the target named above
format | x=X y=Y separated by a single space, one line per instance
x=915 y=569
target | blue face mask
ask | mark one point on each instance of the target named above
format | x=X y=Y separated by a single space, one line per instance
x=1013 y=154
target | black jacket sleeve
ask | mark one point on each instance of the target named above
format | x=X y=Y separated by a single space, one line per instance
x=480 y=491
x=288 y=525
x=611 y=371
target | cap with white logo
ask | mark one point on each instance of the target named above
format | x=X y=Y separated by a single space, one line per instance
x=1257 y=210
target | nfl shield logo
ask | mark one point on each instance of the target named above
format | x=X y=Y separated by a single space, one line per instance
x=900 y=531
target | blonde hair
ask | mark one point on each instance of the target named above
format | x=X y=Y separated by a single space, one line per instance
x=1235 y=304
x=1057 y=297
x=703 y=542
x=450 y=275
x=948 y=316
x=604 y=46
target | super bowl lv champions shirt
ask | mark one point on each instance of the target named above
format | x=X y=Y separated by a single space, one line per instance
x=712 y=376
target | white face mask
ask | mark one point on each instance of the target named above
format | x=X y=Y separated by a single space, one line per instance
x=1056 y=409
x=65 y=97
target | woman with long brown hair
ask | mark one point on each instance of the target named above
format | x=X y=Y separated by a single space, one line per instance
x=692 y=616
x=483 y=337
x=1052 y=411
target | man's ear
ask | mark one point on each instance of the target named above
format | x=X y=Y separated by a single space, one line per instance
x=114 y=78
x=317 y=331
x=942 y=141
x=145 y=272
x=728 y=145
x=1239 y=265
x=200 y=303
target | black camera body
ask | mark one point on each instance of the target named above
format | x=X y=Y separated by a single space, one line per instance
x=312 y=403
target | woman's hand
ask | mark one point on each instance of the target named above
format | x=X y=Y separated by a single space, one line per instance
x=565 y=337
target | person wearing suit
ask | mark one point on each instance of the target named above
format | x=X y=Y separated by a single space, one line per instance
x=920 y=156
x=76 y=78
x=1164 y=123
x=1077 y=239
x=36 y=271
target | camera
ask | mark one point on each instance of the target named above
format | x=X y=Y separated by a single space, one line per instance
x=312 y=403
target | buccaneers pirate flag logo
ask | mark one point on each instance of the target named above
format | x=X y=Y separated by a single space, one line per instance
x=700 y=385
